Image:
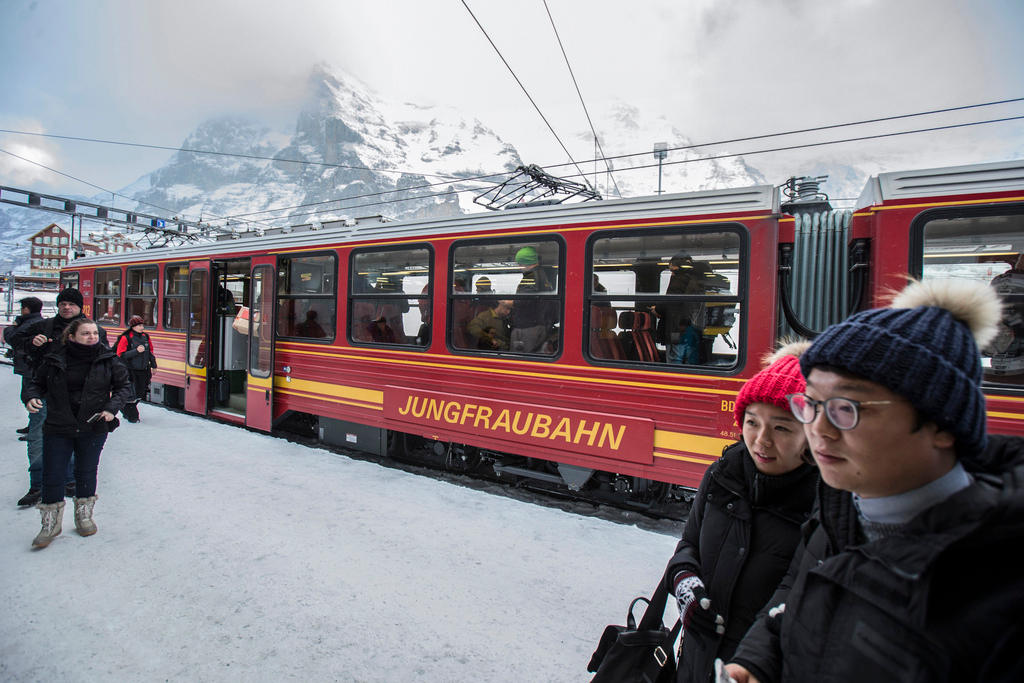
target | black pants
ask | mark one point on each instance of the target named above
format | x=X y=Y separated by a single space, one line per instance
x=140 y=385
x=57 y=450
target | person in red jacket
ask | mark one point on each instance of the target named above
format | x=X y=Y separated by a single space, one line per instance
x=135 y=349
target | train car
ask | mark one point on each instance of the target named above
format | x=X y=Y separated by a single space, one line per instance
x=594 y=347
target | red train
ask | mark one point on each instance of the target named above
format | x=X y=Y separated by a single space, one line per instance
x=595 y=346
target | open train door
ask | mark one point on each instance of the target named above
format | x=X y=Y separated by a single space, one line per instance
x=197 y=342
x=259 y=398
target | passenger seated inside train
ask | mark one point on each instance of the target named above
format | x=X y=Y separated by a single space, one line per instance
x=490 y=327
x=684 y=345
x=380 y=332
x=310 y=327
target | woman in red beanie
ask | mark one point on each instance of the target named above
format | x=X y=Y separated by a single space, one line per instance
x=136 y=351
x=745 y=521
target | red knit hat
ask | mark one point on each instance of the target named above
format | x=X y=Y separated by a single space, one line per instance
x=775 y=382
x=136 y=320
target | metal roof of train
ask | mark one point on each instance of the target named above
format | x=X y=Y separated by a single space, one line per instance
x=1000 y=176
x=756 y=199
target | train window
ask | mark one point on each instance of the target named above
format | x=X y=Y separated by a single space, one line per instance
x=507 y=297
x=197 y=318
x=389 y=296
x=108 y=297
x=140 y=294
x=669 y=297
x=69 y=280
x=306 y=298
x=984 y=244
x=262 y=343
x=175 y=296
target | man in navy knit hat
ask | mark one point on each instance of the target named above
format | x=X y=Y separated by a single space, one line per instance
x=905 y=571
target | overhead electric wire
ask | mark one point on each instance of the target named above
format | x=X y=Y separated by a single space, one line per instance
x=747 y=153
x=814 y=129
x=478 y=177
x=707 y=144
x=525 y=92
x=580 y=94
x=244 y=216
x=226 y=154
x=376 y=194
x=823 y=143
x=380 y=203
x=102 y=189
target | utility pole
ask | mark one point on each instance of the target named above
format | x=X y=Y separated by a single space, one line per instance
x=660 y=152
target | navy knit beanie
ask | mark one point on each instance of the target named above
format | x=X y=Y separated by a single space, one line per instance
x=924 y=347
x=72 y=295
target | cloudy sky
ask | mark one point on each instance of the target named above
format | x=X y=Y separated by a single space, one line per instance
x=150 y=72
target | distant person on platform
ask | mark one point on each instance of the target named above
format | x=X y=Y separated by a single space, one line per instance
x=490 y=328
x=135 y=350
x=31 y=312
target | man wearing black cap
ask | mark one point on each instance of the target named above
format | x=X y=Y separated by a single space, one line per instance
x=905 y=571
x=36 y=340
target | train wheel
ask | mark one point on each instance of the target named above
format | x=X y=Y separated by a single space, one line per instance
x=461 y=458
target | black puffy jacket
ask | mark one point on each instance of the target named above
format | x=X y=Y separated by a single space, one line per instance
x=107 y=387
x=739 y=538
x=14 y=336
x=942 y=602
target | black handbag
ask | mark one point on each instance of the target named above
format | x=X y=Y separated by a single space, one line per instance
x=638 y=654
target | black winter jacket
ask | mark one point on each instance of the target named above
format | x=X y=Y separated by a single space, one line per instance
x=739 y=538
x=941 y=603
x=132 y=359
x=107 y=387
x=16 y=341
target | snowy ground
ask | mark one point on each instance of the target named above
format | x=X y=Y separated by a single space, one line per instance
x=225 y=555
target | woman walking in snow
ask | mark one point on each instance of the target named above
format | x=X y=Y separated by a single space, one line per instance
x=745 y=521
x=135 y=350
x=84 y=385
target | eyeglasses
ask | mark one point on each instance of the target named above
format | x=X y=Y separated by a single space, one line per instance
x=843 y=413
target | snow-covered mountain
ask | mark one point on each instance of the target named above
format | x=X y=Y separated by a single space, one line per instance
x=341 y=133
x=625 y=130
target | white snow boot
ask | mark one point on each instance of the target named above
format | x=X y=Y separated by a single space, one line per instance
x=53 y=515
x=83 y=516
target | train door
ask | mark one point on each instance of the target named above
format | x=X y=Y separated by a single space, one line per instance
x=260 y=377
x=228 y=362
x=197 y=342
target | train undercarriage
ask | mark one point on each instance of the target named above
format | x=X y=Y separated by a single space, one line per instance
x=654 y=498
x=556 y=480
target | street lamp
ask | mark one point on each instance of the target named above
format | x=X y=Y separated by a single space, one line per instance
x=660 y=152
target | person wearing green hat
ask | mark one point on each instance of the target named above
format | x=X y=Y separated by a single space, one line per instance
x=533 y=320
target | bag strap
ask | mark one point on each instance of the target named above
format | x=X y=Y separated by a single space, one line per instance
x=660 y=656
x=652 y=618
x=630 y=619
